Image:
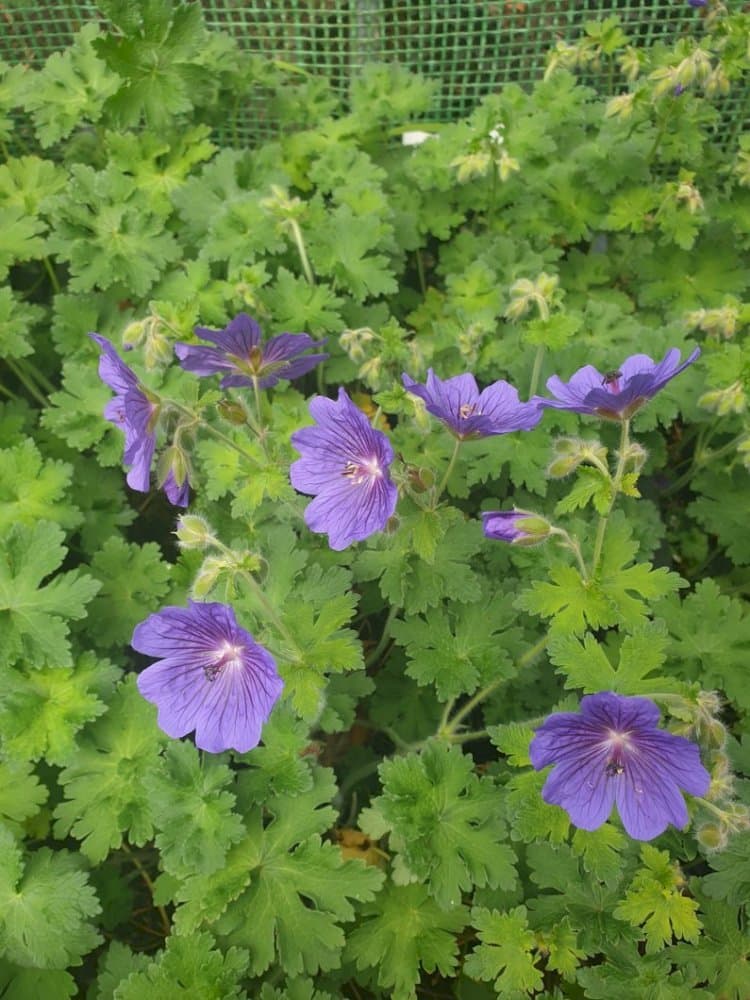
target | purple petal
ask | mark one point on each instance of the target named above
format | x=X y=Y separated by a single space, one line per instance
x=202 y=360
x=178 y=494
x=583 y=790
x=344 y=463
x=212 y=677
x=112 y=369
x=238 y=337
x=349 y=513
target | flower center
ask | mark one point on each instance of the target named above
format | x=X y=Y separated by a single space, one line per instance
x=617 y=745
x=612 y=380
x=362 y=471
x=467 y=410
x=227 y=655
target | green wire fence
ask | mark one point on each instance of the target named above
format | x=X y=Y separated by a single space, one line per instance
x=469 y=48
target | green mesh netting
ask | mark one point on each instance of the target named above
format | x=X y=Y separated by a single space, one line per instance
x=469 y=48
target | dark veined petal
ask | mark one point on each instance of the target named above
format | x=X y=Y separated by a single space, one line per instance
x=611 y=751
x=344 y=463
x=583 y=789
x=212 y=677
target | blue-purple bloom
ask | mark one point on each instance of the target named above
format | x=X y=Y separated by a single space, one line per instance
x=613 y=753
x=242 y=358
x=469 y=413
x=514 y=526
x=211 y=676
x=617 y=394
x=136 y=415
x=698 y=3
x=344 y=465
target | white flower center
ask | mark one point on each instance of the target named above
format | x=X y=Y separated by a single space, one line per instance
x=227 y=655
x=367 y=469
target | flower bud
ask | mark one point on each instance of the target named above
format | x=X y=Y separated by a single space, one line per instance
x=208 y=575
x=569 y=453
x=731 y=399
x=232 y=412
x=519 y=527
x=133 y=334
x=711 y=837
x=193 y=532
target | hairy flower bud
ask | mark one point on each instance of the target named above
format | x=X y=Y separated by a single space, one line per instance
x=208 y=576
x=731 y=399
x=711 y=837
x=194 y=532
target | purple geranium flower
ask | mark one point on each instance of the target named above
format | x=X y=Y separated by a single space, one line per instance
x=697 y=3
x=136 y=415
x=613 y=753
x=514 y=526
x=469 y=413
x=243 y=359
x=210 y=676
x=615 y=395
x=344 y=465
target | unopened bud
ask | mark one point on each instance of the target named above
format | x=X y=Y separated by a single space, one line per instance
x=208 y=575
x=571 y=452
x=732 y=399
x=711 y=837
x=133 y=334
x=193 y=532
x=635 y=456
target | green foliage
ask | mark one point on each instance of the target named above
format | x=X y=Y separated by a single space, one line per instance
x=110 y=232
x=654 y=901
x=586 y=665
x=192 y=810
x=47 y=906
x=41 y=711
x=72 y=88
x=134 y=579
x=607 y=600
x=105 y=779
x=257 y=899
x=33 y=489
x=549 y=230
x=459 y=651
x=190 y=966
x=425 y=562
x=404 y=931
x=444 y=823
x=34 y=616
x=504 y=952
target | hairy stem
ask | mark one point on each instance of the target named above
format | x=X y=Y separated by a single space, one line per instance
x=448 y=471
x=302 y=251
x=616 y=484
x=148 y=882
x=536 y=370
x=385 y=637
x=447 y=731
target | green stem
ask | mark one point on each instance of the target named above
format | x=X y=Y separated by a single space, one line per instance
x=33 y=372
x=420 y=271
x=26 y=382
x=536 y=370
x=700 y=463
x=7 y=392
x=446 y=714
x=150 y=886
x=574 y=546
x=214 y=431
x=450 y=728
x=51 y=274
x=477 y=734
x=359 y=774
x=256 y=395
x=385 y=637
x=616 y=484
x=269 y=609
x=448 y=471
x=302 y=251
